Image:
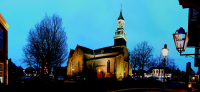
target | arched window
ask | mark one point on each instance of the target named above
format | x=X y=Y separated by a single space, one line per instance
x=108 y=66
x=78 y=66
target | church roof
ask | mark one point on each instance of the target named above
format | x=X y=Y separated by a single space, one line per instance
x=120 y=16
x=71 y=52
x=86 y=50
x=108 y=49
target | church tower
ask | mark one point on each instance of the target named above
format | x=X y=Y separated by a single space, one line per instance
x=120 y=35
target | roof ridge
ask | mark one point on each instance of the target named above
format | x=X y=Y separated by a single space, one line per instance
x=103 y=47
x=84 y=47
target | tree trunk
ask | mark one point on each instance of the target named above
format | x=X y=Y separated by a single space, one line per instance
x=142 y=69
x=134 y=68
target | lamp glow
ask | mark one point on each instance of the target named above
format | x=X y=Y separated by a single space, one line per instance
x=165 y=51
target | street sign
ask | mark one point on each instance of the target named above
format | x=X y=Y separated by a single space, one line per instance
x=193 y=32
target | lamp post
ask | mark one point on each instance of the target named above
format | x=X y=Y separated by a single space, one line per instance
x=181 y=41
x=164 y=53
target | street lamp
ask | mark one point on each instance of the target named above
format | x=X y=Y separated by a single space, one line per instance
x=164 y=53
x=180 y=40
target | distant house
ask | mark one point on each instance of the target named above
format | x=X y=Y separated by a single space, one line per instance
x=158 y=72
x=30 y=71
x=177 y=75
x=14 y=71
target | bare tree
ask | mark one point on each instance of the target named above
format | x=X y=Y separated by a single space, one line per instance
x=173 y=66
x=47 y=42
x=134 y=59
x=144 y=53
x=153 y=63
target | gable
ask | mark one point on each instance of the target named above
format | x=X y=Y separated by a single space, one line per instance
x=77 y=51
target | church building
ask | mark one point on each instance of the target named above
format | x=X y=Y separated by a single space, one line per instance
x=107 y=62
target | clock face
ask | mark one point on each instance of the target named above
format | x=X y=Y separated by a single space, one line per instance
x=119 y=22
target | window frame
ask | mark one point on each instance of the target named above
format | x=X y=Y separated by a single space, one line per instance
x=2 y=69
x=108 y=66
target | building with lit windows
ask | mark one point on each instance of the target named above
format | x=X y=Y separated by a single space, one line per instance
x=158 y=72
x=3 y=50
x=107 y=62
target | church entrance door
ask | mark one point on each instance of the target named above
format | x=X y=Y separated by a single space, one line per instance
x=99 y=73
x=125 y=72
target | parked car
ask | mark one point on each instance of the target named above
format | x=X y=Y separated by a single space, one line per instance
x=51 y=78
x=128 y=79
x=79 y=78
x=137 y=78
x=27 y=79
x=60 y=78
x=161 y=79
x=153 y=78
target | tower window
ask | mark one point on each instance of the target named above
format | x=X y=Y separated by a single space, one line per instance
x=118 y=32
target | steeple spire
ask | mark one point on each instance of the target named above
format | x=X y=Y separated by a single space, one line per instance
x=121 y=7
x=120 y=16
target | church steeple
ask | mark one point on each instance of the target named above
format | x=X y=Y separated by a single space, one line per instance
x=120 y=35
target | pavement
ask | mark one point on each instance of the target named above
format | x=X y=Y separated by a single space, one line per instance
x=177 y=86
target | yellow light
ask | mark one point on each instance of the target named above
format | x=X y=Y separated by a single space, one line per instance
x=190 y=85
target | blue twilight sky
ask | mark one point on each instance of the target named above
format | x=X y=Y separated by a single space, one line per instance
x=92 y=23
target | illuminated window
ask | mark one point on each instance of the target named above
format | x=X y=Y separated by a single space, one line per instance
x=1 y=70
x=108 y=66
x=1 y=39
